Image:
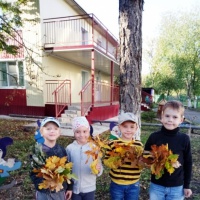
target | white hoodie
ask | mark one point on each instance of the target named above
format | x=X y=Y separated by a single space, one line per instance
x=86 y=180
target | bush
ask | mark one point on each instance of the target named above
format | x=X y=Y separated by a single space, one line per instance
x=148 y=116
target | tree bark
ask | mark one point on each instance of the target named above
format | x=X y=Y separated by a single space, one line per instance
x=130 y=34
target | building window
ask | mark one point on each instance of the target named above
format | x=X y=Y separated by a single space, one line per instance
x=84 y=36
x=11 y=74
x=85 y=78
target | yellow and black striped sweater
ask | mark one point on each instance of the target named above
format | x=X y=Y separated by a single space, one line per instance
x=125 y=174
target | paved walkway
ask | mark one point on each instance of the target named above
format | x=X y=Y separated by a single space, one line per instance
x=190 y=115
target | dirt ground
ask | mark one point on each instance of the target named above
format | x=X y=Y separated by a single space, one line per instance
x=24 y=189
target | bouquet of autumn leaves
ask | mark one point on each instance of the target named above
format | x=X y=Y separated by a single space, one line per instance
x=158 y=159
x=97 y=151
x=117 y=156
x=53 y=170
x=120 y=153
x=161 y=158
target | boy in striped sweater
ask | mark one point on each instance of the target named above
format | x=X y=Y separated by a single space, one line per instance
x=125 y=179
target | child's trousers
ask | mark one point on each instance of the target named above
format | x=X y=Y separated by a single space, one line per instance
x=159 y=192
x=84 y=196
x=50 y=196
x=124 y=192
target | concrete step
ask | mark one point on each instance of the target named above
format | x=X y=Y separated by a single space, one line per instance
x=65 y=118
x=78 y=108
x=71 y=112
x=68 y=115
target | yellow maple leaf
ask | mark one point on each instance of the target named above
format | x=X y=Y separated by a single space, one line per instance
x=62 y=161
x=93 y=167
x=171 y=170
x=69 y=165
x=120 y=150
x=113 y=162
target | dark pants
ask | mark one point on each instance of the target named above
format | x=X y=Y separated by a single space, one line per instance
x=83 y=196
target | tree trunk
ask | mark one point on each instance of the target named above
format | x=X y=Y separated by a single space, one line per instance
x=130 y=34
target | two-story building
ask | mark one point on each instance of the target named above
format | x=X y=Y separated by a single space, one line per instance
x=66 y=57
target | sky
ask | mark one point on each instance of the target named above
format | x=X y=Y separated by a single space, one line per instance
x=107 y=11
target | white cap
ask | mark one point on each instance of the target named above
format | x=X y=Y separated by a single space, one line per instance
x=49 y=119
x=127 y=117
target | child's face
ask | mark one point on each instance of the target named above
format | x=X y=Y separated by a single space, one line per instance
x=171 y=118
x=50 y=132
x=128 y=129
x=82 y=134
x=115 y=130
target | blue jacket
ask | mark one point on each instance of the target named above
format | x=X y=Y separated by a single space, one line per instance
x=57 y=150
x=86 y=180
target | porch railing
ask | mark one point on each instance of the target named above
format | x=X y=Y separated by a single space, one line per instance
x=102 y=95
x=79 y=31
x=58 y=92
x=86 y=97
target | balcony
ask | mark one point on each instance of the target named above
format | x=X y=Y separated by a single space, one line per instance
x=72 y=38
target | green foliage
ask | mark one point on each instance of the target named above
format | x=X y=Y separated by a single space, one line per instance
x=10 y=21
x=148 y=116
x=175 y=65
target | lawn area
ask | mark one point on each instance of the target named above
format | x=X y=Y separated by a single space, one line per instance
x=20 y=150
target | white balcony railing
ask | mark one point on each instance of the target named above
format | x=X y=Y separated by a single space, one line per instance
x=79 y=31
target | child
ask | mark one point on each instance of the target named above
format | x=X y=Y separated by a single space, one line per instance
x=84 y=188
x=50 y=130
x=125 y=179
x=176 y=185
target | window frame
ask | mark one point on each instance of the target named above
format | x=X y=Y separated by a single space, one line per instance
x=19 y=74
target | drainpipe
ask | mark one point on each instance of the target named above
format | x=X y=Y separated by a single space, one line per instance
x=92 y=74
x=92 y=62
x=111 y=82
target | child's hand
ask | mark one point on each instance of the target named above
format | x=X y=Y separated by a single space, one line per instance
x=95 y=167
x=68 y=194
x=98 y=167
x=187 y=192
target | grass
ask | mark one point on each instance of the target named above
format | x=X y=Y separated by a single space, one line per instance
x=20 y=150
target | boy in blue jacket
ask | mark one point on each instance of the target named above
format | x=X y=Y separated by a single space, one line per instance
x=50 y=131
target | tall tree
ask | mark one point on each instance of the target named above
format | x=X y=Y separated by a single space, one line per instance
x=177 y=54
x=10 y=21
x=17 y=19
x=130 y=34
